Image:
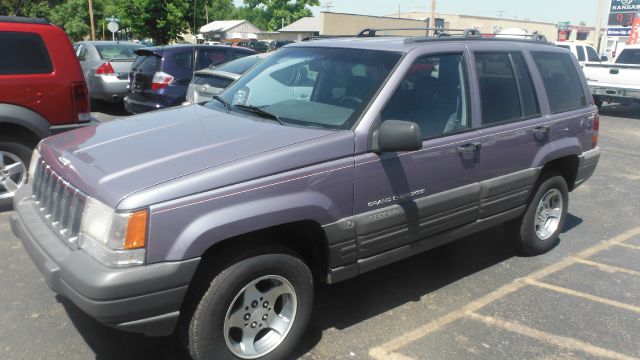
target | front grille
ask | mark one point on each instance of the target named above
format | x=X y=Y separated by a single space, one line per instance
x=60 y=204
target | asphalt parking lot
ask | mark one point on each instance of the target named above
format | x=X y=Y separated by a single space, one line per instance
x=473 y=299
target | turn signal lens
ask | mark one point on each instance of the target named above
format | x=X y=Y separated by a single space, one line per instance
x=136 y=230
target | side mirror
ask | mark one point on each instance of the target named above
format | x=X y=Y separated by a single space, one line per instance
x=604 y=59
x=397 y=135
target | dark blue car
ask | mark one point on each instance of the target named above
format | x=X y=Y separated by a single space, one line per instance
x=160 y=76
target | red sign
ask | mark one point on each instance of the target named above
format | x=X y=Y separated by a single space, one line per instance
x=635 y=30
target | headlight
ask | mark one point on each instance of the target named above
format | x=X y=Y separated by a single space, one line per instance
x=35 y=160
x=114 y=239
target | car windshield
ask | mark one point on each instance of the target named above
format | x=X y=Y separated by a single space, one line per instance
x=240 y=66
x=117 y=51
x=317 y=86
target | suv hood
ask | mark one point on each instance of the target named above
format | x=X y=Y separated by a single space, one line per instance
x=113 y=160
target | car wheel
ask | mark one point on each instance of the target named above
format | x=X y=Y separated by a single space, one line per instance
x=257 y=308
x=536 y=232
x=598 y=101
x=14 y=162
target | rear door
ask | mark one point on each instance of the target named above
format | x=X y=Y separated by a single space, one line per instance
x=512 y=125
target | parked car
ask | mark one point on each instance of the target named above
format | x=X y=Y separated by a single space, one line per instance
x=326 y=160
x=211 y=81
x=585 y=54
x=617 y=82
x=106 y=66
x=275 y=45
x=160 y=76
x=42 y=93
x=259 y=46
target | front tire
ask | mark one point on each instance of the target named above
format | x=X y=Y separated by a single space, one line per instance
x=14 y=163
x=257 y=308
x=537 y=231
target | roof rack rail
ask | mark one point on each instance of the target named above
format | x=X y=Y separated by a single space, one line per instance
x=373 y=32
x=23 y=20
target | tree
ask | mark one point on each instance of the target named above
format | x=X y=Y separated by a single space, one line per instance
x=161 y=20
x=268 y=14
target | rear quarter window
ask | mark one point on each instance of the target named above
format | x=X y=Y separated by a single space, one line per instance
x=28 y=54
x=561 y=81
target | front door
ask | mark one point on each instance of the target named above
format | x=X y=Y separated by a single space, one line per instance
x=404 y=197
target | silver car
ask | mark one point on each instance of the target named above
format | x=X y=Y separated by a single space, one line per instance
x=209 y=82
x=106 y=66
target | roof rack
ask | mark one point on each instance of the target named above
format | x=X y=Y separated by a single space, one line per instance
x=23 y=20
x=446 y=33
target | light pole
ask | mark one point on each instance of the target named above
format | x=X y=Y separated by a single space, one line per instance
x=432 y=21
x=601 y=6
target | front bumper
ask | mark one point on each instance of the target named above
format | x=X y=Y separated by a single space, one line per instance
x=145 y=299
x=587 y=165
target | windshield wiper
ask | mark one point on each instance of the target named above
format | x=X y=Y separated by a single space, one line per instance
x=226 y=104
x=259 y=111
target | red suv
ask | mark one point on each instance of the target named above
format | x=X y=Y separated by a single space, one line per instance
x=43 y=92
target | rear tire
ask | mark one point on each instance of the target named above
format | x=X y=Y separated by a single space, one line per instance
x=536 y=232
x=257 y=308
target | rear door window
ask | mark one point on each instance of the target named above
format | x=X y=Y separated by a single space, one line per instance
x=506 y=90
x=581 y=56
x=629 y=56
x=27 y=54
x=561 y=81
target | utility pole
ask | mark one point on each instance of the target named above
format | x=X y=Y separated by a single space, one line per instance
x=596 y=37
x=432 y=21
x=206 y=12
x=93 y=26
x=500 y=13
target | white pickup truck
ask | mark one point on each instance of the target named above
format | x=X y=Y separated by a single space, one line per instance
x=617 y=82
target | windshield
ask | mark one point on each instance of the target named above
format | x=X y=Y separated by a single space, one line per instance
x=320 y=87
x=240 y=66
x=117 y=51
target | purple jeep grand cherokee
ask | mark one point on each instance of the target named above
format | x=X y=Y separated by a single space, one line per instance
x=328 y=159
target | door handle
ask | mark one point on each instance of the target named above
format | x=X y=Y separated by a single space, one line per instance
x=614 y=71
x=541 y=130
x=472 y=147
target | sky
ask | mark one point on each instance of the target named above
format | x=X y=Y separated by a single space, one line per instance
x=553 y=11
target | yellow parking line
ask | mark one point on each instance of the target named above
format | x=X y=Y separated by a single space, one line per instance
x=606 y=268
x=388 y=349
x=561 y=341
x=582 y=295
x=629 y=246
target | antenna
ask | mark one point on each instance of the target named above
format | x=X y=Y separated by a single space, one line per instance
x=18 y=8
x=327 y=6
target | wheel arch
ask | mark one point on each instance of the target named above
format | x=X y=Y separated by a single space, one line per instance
x=26 y=123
